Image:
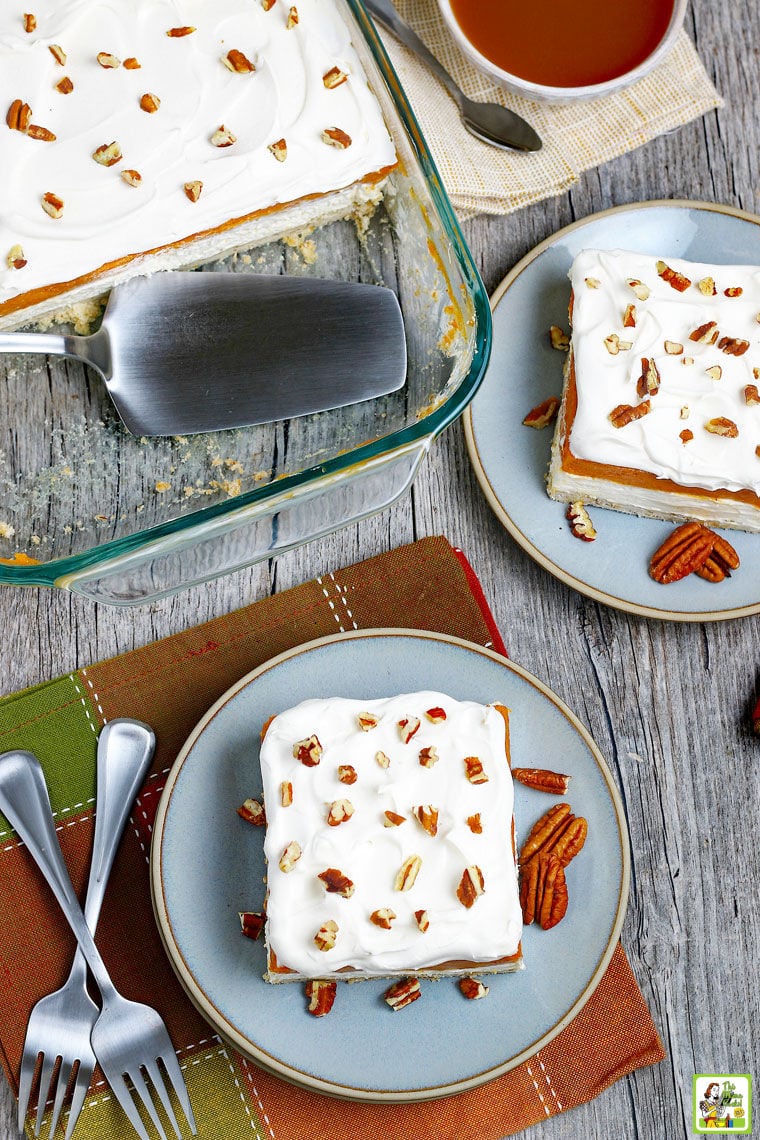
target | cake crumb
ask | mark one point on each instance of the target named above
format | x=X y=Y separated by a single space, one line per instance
x=6 y=530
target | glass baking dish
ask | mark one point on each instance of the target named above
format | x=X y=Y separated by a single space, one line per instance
x=87 y=507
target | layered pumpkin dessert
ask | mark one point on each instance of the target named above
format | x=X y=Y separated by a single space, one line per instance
x=660 y=412
x=389 y=840
x=140 y=136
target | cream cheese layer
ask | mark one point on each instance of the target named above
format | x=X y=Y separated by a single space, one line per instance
x=699 y=381
x=371 y=854
x=105 y=218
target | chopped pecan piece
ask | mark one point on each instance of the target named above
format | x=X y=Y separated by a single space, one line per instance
x=236 y=61
x=612 y=344
x=629 y=317
x=403 y=993
x=290 y=857
x=580 y=522
x=64 y=85
x=132 y=64
x=473 y=770
x=559 y=339
x=383 y=917
x=340 y=811
x=336 y=883
x=58 y=54
x=267 y=5
x=625 y=414
x=542 y=779
x=336 y=137
x=543 y=414
x=193 y=190
x=707 y=333
x=714 y=372
x=427 y=816
x=149 y=103
x=686 y=436
x=436 y=715
x=279 y=149
x=326 y=936
x=42 y=134
x=675 y=279
x=472 y=988
x=751 y=395
x=408 y=873
x=682 y=552
x=15 y=258
x=733 y=345
x=108 y=154
x=52 y=205
x=178 y=33
x=649 y=382
x=252 y=923
x=292 y=20
x=107 y=60
x=308 y=751
x=707 y=287
x=641 y=290
x=382 y=759
x=367 y=720
x=19 y=116
x=720 y=425
x=474 y=824
x=393 y=819
x=321 y=994
x=592 y=282
x=673 y=347
x=286 y=793
x=429 y=756
x=407 y=727
x=30 y=21
x=422 y=918
x=253 y=812
x=347 y=774
x=223 y=137
x=334 y=77
x=471 y=885
x=733 y=291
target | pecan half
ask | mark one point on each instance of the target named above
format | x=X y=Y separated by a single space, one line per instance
x=554 y=898
x=570 y=840
x=543 y=414
x=542 y=779
x=321 y=994
x=544 y=830
x=403 y=993
x=722 y=560
x=682 y=552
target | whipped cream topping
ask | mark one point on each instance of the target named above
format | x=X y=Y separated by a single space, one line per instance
x=700 y=383
x=104 y=218
x=370 y=854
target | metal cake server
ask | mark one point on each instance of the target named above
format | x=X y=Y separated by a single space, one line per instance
x=129 y=1039
x=490 y=122
x=61 y=1023
x=182 y=352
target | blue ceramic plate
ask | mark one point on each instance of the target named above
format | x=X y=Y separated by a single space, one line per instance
x=511 y=460
x=207 y=864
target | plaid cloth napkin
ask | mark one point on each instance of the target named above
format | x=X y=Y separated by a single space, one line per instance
x=170 y=684
x=576 y=136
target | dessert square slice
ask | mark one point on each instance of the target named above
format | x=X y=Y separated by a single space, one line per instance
x=389 y=839
x=660 y=413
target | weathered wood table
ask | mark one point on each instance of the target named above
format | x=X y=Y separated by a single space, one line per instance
x=668 y=704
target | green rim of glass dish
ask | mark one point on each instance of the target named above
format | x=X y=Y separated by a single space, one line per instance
x=50 y=573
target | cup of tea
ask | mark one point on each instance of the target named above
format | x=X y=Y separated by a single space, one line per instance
x=557 y=51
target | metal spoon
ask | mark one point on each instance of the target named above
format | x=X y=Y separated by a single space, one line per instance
x=489 y=122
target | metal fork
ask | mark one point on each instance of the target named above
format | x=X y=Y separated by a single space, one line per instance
x=128 y=1037
x=125 y=748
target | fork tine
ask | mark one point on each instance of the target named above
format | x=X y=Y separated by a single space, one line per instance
x=169 y=1060
x=124 y=1097
x=77 y=1100
x=140 y=1087
x=153 y=1071
x=60 y=1092
x=46 y=1079
x=25 y=1082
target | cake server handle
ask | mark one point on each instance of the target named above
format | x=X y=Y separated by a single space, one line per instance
x=93 y=350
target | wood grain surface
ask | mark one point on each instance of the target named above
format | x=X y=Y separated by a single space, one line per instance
x=668 y=704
